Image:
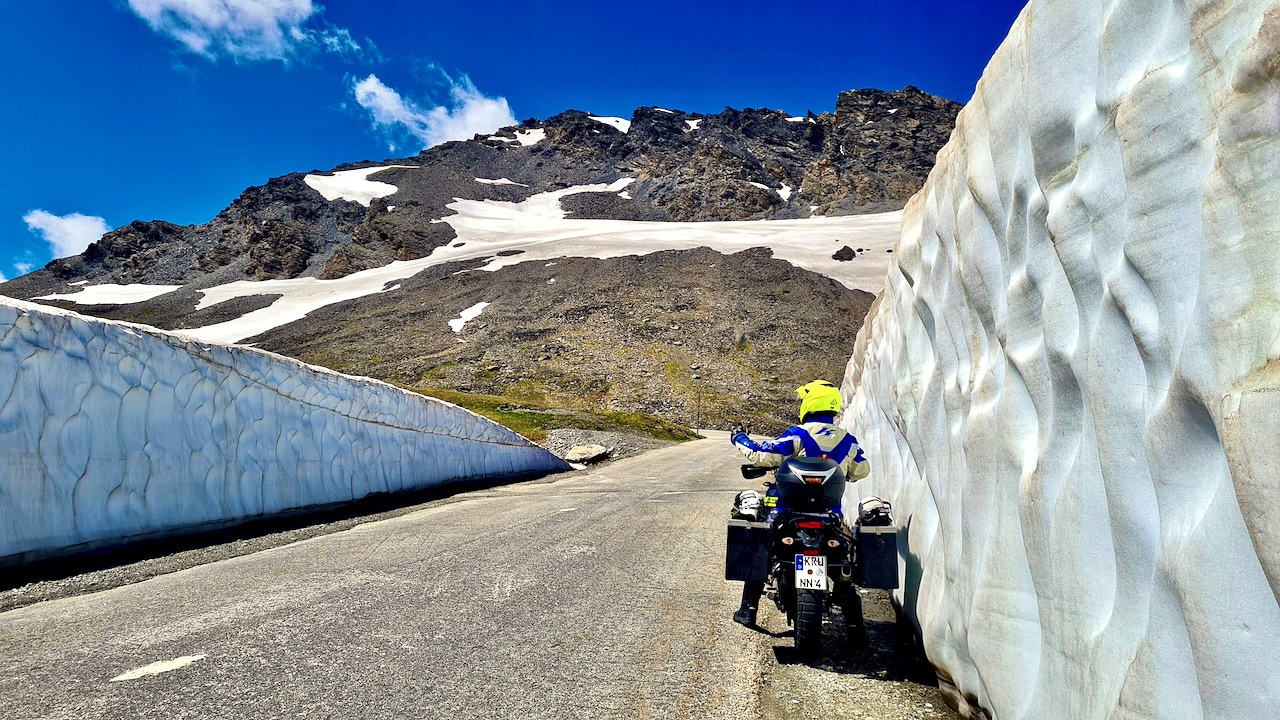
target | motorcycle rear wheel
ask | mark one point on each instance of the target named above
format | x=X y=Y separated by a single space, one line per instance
x=809 y=611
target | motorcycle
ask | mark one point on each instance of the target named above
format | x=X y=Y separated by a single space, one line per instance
x=808 y=558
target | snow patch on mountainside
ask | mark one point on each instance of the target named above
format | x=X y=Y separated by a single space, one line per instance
x=620 y=124
x=531 y=137
x=486 y=227
x=111 y=293
x=353 y=185
x=110 y=431
x=540 y=229
x=1068 y=388
x=467 y=316
x=546 y=205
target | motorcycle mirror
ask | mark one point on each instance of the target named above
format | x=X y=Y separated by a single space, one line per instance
x=751 y=472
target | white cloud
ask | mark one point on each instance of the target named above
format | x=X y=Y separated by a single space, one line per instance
x=248 y=29
x=339 y=40
x=467 y=113
x=66 y=234
x=23 y=267
x=3 y=278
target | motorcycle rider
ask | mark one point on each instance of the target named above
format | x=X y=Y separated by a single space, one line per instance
x=817 y=435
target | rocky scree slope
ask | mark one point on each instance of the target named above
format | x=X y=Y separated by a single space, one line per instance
x=870 y=155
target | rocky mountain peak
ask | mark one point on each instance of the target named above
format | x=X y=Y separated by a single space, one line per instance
x=869 y=155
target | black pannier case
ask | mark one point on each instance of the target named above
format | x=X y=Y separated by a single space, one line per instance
x=746 y=552
x=878 y=557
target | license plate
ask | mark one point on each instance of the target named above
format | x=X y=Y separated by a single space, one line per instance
x=811 y=572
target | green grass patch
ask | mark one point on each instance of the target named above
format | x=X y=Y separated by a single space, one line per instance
x=535 y=420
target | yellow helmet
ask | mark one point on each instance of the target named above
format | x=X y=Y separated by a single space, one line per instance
x=818 y=396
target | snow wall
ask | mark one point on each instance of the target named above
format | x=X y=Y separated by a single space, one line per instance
x=1070 y=386
x=110 y=431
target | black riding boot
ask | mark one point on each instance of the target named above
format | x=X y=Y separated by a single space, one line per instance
x=751 y=591
x=855 y=628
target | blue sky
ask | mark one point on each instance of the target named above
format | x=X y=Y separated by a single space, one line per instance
x=119 y=110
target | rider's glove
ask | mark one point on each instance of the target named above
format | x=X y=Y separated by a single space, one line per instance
x=737 y=437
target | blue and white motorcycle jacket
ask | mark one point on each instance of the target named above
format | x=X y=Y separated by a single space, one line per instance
x=812 y=439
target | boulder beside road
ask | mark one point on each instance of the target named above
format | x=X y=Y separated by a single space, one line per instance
x=587 y=454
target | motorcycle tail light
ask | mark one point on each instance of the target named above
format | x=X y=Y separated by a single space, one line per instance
x=810 y=524
x=788 y=540
x=833 y=543
x=812 y=552
x=812 y=479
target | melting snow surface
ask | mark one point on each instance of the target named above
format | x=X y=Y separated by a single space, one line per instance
x=617 y=122
x=1069 y=389
x=111 y=294
x=353 y=185
x=112 y=431
x=693 y=124
x=467 y=316
x=624 y=195
x=664 y=110
x=784 y=192
x=798 y=119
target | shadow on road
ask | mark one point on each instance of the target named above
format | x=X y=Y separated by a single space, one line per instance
x=892 y=652
x=228 y=540
x=887 y=656
x=889 y=678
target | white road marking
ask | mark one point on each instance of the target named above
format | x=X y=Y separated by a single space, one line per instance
x=158 y=667
x=567 y=509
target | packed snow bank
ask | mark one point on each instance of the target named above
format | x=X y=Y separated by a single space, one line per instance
x=1069 y=387
x=110 y=431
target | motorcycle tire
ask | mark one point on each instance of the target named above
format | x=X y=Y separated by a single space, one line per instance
x=809 y=611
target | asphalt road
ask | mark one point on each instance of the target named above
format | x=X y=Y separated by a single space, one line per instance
x=593 y=595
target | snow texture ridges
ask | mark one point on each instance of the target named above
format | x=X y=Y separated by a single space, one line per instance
x=1068 y=388
x=110 y=431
